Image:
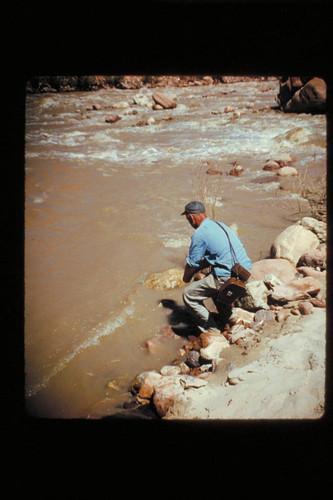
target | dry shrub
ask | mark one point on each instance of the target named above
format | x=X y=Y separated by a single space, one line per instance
x=313 y=191
x=207 y=188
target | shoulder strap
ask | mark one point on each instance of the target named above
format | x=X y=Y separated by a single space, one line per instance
x=232 y=251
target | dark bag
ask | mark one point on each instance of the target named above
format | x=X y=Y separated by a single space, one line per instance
x=231 y=290
x=240 y=272
x=234 y=287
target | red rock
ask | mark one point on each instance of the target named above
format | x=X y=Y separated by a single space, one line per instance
x=309 y=285
x=281 y=268
x=271 y=165
x=315 y=258
x=163 y=101
x=236 y=171
x=309 y=271
x=212 y=171
x=112 y=118
x=305 y=308
x=147 y=388
x=318 y=303
x=282 y=315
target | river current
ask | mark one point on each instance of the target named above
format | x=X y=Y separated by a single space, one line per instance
x=102 y=212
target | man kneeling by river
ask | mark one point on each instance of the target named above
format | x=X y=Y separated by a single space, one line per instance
x=209 y=247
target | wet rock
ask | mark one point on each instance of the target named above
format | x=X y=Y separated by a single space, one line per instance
x=287 y=171
x=255 y=296
x=142 y=100
x=293 y=242
x=236 y=171
x=170 y=370
x=138 y=381
x=271 y=165
x=169 y=279
x=298 y=135
x=305 y=308
x=148 y=385
x=112 y=118
x=120 y=105
x=155 y=344
x=282 y=159
x=282 y=269
x=192 y=359
x=161 y=100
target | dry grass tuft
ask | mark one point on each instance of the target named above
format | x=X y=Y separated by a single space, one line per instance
x=207 y=188
x=313 y=191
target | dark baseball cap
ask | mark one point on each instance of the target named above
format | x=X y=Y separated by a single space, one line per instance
x=194 y=207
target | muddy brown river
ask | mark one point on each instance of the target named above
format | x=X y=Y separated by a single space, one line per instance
x=102 y=212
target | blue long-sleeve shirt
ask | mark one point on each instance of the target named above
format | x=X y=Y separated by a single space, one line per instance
x=211 y=242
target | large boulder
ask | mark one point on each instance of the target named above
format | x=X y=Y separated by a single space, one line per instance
x=280 y=268
x=294 y=242
x=316 y=226
x=302 y=95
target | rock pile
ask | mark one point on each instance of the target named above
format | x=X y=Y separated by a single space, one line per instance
x=280 y=165
x=278 y=288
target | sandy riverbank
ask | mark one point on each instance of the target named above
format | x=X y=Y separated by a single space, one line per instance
x=285 y=381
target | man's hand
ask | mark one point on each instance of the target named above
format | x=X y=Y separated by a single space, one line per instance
x=189 y=272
